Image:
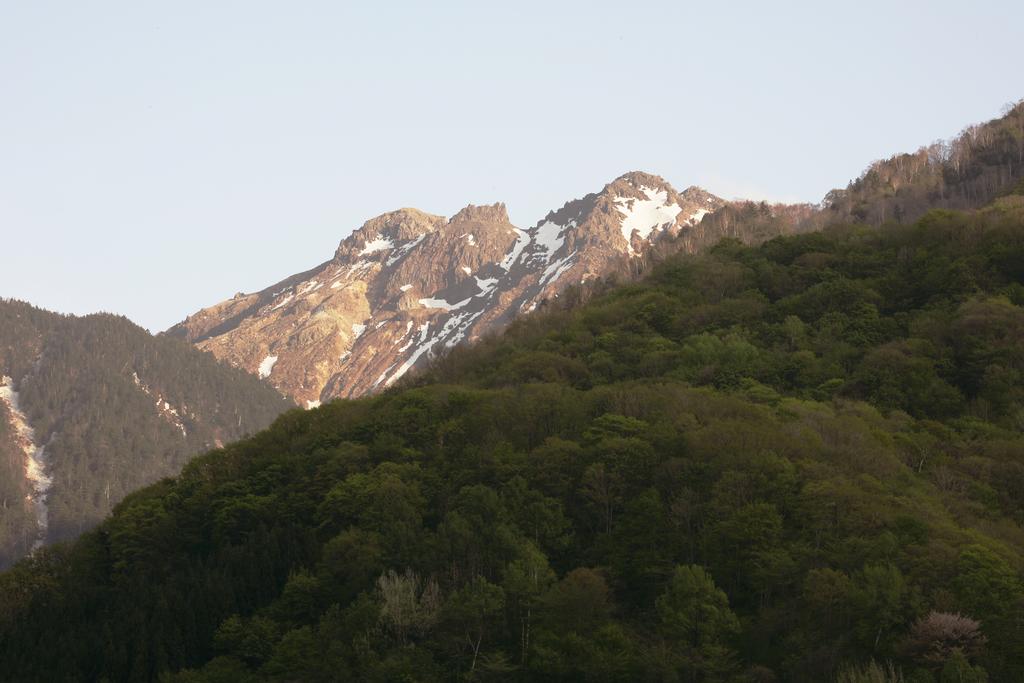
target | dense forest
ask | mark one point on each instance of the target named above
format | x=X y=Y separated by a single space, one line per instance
x=799 y=461
x=116 y=409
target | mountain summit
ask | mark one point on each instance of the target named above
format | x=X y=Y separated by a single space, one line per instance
x=409 y=284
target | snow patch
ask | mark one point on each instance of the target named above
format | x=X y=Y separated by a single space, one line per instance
x=555 y=270
x=405 y=288
x=548 y=235
x=312 y=404
x=442 y=304
x=310 y=286
x=408 y=329
x=404 y=368
x=697 y=216
x=467 y=270
x=377 y=244
x=471 y=239
x=643 y=216
x=458 y=325
x=267 y=366
x=357 y=330
x=485 y=285
x=522 y=239
x=283 y=302
x=383 y=375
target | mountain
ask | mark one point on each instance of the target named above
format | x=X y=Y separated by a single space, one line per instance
x=92 y=408
x=791 y=462
x=403 y=289
x=408 y=285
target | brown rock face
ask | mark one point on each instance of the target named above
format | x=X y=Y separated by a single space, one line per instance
x=407 y=285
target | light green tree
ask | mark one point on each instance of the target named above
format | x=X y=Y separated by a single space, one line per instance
x=695 y=617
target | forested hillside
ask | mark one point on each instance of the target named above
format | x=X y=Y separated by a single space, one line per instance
x=983 y=162
x=970 y=170
x=114 y=409
x=788 y=462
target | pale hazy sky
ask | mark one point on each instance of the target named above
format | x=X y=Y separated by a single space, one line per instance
x=156 y=157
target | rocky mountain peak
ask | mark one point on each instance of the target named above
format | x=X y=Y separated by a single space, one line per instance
x=408 y=284
x=697 y=193
x=632 y=211
x=493 y=213
x=635 y=180
x=390 y=228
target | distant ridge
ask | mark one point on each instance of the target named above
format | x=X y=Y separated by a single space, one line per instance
x=94 y=407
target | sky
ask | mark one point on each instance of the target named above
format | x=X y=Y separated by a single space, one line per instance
x=157 y=157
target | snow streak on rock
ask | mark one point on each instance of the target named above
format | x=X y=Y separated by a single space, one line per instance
x=166 y=410
x=405 y=249
x=35 y=460
x=523 y=238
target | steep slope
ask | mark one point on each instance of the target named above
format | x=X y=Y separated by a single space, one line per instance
x=408 y=285
x=966 y=172
x=18 y=525
x=983 y=162
x=36 y=483
x=756 y=464
x=93 y=408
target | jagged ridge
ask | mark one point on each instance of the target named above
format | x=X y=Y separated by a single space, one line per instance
x=408 y=284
